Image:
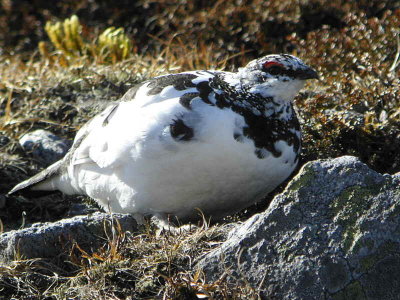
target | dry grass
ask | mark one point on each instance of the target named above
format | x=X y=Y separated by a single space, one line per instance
x=353 y=109
x=144 y=265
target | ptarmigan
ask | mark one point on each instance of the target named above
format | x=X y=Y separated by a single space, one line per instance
x=202 y=140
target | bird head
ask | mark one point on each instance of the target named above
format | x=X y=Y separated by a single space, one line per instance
x=279 y=75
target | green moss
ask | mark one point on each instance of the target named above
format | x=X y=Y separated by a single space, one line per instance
x=367 y=262
x=353 y=202
x=286 y=251
x=369 y=243
x=348 y=207
x=352 y=291
x=305 y=176
x=383 y=250
x=395 y=209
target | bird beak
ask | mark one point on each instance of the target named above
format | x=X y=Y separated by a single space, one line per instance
x=308 y=73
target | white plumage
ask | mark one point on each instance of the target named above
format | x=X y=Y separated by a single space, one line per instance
x=208 y=140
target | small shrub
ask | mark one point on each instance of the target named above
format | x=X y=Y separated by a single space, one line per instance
x=112 y=45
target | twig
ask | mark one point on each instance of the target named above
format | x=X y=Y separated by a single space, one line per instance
x=396 y=58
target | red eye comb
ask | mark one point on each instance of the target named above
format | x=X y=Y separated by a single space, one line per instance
x=269 y=64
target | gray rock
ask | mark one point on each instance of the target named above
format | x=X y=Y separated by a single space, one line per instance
x=2 y=201
x=334 y=233
x=46 y=147
x=4 y=140
x=78 y=209
x=50 y=240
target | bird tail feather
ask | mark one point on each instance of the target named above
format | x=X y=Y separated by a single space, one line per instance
x=44 y=180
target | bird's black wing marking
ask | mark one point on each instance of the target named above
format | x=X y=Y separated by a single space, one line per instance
x=131 y=93
x=185 y=99
x=204 y=91
x=238 y=137
x=180 y=131
x=109 y=115
x=180 y=82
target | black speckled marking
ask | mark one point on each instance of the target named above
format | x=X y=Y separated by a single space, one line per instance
x=186 y=99
x=238 y=137
x=264 y=131
x=205 y=91
x=179 y=81
x=180 y=131
x=259 y=153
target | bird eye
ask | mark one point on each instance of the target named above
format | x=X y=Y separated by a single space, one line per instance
x=274 y=70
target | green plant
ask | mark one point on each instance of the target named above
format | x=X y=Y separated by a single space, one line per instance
x=66 y=36
x=112 y=45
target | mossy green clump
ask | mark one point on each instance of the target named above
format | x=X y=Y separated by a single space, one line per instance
x=356 y=201
x=352 y=291
x=112 y=45
x=348 y=207
x=384 y=250
x=67 y=36
x=306 y=175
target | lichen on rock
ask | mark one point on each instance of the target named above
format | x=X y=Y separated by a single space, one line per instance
x=332 y=234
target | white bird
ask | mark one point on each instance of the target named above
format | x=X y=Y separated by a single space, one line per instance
x=201 y=140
